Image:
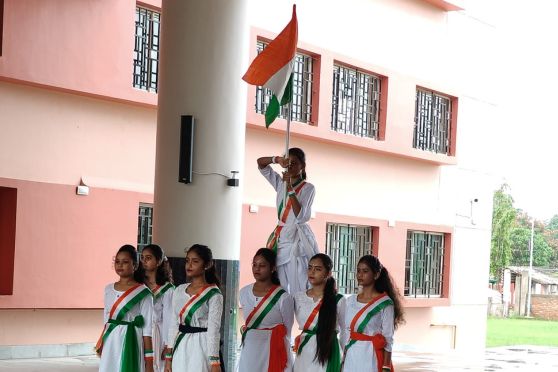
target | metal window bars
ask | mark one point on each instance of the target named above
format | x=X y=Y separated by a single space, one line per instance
x=355 y=102
x=432 y=122
x=424 y=264
x=146 y=49
x=303 y=76
x=345 y=244
x=145 y=229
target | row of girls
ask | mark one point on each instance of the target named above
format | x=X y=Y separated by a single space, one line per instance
x=152 y=326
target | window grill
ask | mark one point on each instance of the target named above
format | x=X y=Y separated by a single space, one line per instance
x=345 y=244
x=424 y=264
x=145 y=229
x=432 y=122
x=355 y=102
x=303 y=76
x=146 y=50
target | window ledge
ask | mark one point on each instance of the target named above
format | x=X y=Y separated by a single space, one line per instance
x=317 y=133
x=425 y=302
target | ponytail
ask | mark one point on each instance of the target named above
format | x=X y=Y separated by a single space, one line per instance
x=207 y=256
x=385 y=284
x=327 y=323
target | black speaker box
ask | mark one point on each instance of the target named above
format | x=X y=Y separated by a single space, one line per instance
x=185 y=162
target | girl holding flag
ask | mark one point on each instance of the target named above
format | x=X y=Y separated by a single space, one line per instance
x=125 y=344
x=268 y=312
x=292 y=239
x=371 y=318
x=196 y=309
x=156 y=274
x=319 y=312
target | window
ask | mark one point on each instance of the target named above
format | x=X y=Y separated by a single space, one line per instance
x=345 y=244
x=145 y=221
x=303 y=76
x=432 y=122
x=355 y=107
x=8 y=210
x=146 y=50
x=424 y=264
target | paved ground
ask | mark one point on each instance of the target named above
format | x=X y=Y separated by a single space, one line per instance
x=503 y=359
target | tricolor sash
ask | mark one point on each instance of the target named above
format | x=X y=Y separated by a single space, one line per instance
x=376 y=305
x=277 y=350
x=130 y=354
x=192 y=305
x=311 y=329
x=282 y=214
x=160 y=290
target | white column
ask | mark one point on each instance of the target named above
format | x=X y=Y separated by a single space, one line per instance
x=204 y=53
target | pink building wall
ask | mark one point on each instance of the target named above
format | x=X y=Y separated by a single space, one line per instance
x=74 y=46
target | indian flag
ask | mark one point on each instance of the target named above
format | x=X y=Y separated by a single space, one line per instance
x=273 y=68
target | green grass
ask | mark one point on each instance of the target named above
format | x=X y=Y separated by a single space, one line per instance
x=520 y=331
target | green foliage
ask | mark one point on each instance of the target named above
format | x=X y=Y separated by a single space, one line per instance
x=520 y=242
x=511 y=235
x=503 y=221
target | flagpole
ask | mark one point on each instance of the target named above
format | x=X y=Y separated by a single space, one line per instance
x=287 y=138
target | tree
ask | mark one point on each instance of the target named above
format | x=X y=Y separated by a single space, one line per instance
x=520 y=241
x=503 y=221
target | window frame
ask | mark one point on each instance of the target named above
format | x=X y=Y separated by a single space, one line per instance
x=378 y=96
x=147 y=65
x=410 y=291
x=348 y=272
x=309 y=89
x=142 y=220
x=430 y=123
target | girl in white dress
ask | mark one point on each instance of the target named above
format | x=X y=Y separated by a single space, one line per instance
x=125 y=344
x=371 y=318
x=319 y=311
x=197 y=308
x=292 y=239
x=268 y=312
x=156 y=274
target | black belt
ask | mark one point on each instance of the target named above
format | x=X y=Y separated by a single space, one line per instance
x=189 y=329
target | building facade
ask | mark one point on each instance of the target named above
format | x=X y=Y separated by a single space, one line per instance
x=388 y=105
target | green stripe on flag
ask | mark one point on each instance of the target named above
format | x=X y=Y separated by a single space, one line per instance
x=274 y=107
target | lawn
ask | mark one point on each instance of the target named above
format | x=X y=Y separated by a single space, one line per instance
x=520 y=331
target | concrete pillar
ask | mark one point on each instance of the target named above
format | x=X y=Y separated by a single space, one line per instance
x=204 y=52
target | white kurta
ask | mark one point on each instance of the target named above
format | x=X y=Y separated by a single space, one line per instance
x=297 y=243
x=162 y=314
x=304 y=305
x=255 y=351
x=194 y=350
x=361 y=356
x=112 y=348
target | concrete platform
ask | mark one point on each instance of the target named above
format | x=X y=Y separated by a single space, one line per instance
x=501 y=359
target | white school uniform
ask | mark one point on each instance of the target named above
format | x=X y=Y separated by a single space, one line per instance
x=297 y=243
x=194 y=350
x=162 y=314
x=306 y=361
x=113 y=346
x=254 y=355
x=361 y=355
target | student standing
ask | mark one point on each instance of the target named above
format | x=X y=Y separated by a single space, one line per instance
x=156 y=274
x=197 y=309
x=292 y=239
x=371 y=318
x=268 y=311
x=320 y=313
x=125 y=344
